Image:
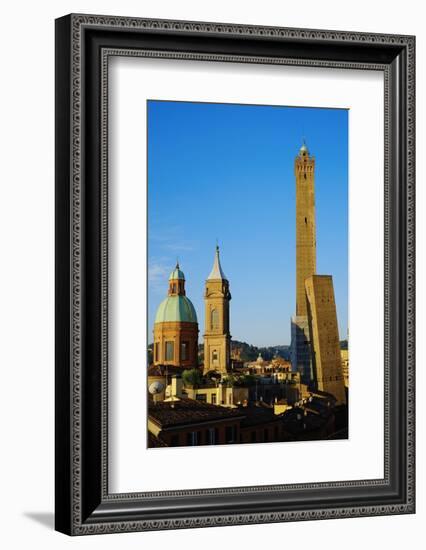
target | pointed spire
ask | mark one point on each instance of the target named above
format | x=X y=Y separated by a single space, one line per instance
x=217 y=273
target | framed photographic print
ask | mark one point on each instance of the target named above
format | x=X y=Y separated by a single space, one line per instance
x=234 y=274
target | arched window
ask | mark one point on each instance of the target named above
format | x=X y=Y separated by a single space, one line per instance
x=214 y=319
x=170 y=351
x=215 y=357
x=184 y=351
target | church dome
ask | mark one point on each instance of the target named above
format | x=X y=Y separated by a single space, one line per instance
x=176 y=308
x=177 y=274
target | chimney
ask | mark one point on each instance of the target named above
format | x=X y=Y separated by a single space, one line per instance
x=177 y=386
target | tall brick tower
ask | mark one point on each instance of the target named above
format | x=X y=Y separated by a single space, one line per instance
x=217 y=338
x=325 y=347
x=304 y=167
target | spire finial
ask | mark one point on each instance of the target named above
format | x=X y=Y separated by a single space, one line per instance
x=177 y=262
x=216 y=272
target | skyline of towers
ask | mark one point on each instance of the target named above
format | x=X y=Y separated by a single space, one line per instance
x=176 y=325
x=315 y=345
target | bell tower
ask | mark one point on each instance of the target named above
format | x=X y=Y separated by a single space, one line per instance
x=217 y=338
x=304 y=171
x=306 y=254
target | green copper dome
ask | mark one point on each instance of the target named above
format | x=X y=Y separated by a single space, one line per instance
x=176 y=308
x=177 y=274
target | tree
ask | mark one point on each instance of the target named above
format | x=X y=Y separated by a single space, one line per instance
x=191 y=377
x=246 y=380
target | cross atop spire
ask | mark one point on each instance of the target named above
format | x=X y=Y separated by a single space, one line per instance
x=217 y=273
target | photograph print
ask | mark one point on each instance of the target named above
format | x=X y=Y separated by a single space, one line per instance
x=247 y=274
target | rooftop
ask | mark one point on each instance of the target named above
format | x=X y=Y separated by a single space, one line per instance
x=163 y=370
x=297 y=423
x=154 y=441
x=189 y=411
x=176 y=308
x=258 y=415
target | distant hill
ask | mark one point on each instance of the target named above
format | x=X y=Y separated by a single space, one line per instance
x=248 y=352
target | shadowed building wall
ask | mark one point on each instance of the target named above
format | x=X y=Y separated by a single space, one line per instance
x=325 y=346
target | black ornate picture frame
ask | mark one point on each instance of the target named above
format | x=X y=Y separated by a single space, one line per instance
x=84 y=43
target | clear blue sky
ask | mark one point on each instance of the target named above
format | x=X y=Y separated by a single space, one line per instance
x=226 y=172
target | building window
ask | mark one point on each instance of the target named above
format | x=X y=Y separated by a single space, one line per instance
x=230 y=434
x=170 y=351
x=201 y=397
x=213 y=398
x=211 y=436
x=184 y=351
x=192 y=438
x=215 y=357
x=157 y=351
x=214 y=319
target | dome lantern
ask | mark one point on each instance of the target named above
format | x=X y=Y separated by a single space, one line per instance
x=177 y=282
